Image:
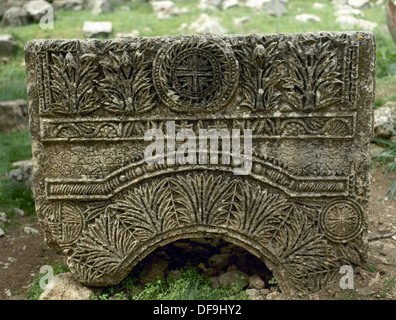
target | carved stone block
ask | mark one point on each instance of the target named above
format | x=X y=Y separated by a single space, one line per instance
x=306 y=99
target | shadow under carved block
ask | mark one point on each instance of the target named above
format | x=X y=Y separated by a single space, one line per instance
x=307 y=99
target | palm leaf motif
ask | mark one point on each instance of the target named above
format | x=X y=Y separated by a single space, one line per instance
x=72 y=83
x=148 y=210
x=300 y=247
x=127 y=84
x=102 y=248
x=201 y=198
x=314 y=79
x=261 y=75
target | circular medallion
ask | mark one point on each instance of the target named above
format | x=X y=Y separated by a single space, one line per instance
x=195 y=76
x=341 y=220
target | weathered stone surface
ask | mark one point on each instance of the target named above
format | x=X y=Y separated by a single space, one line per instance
x=37 y=9
x=23 y=174
x=206 y=25
x=99 y=6
x=97 y=29
x=166 y=9
x=65 y=287
x=275 y=8
x=255 y=282
x=75 y=5
x=222 y=261
x=391 y=18
x=15 y=17
x=13 y=115
x=7 y=45
x=301 y=204
x=385 y=118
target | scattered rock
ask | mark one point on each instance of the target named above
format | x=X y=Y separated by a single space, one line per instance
x=97 y=29
x=64 y=287
x=385 y=116
x=241 y=21
x=37 y=9
x=174 y=274
x=19 y=212
x=210 y=272
x=264 y=292
x=222 y=261
x=13 y=115
x=391 y=18
x=24 y=174
x=227 y=279
x=166 y=9
x=128 y=35
x=2 y=233
x=155 y=267
x=360 y=4
x=350 y=22
x=31 y=231
x=15 y=17
x=305 y=17
x=206 y=25
x=255 y=282
x=348 y=11
x=75 y=5
x=274 y=8
x=99 y=6
x=318 y=5
x=217 y=4
x=7 y=45
x=253 y=294
x=3 y=218
x=11 y=259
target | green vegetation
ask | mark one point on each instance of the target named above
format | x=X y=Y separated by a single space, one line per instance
x=68 y=24
x=14 y=147
x=191 y=285
x=35 y=290
x=387 y=158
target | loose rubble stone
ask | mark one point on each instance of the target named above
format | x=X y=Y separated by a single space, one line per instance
x=206 y=25
x=305 y=187
x=75 y=5
x=253 y=294
x=31 y=231
x=24 y=174
x=155 y=267
x=15 y=17
x=226 y=280
x=385 y=117
x=391 y=18
x=13 y=115
x=166 y=9
x=37 y=9
x=305 y=17
x=275 y=8
x=65 y=287
x=222 y=261
x=7 y=45
x=256 y=282
x=99 y=6
x=3 y=218
x=2 y=233
x=95 y=29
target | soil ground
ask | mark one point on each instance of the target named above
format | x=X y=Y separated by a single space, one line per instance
x=22 y=255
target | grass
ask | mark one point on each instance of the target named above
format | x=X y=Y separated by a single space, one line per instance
x=387 y=158
x=14 y=147
x=68 y=24
x=191 y=285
